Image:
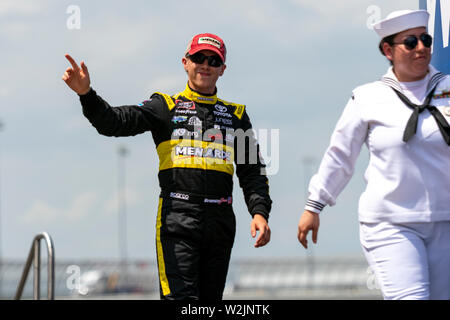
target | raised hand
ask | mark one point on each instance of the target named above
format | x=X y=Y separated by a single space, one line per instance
x=77 y=78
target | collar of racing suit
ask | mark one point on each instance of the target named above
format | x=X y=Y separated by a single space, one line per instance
x=198 y=97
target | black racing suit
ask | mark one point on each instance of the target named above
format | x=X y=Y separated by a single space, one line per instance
x=196 y=141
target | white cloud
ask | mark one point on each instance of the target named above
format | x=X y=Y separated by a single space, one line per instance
x=14 y=29
x=45 y=213
x=81 y=206
x=40 y=211
x=328 y=7
x=168 y=83
x=132 y=197
x=116 y=40
x=327 y=15
x=339 y=9
x=21 y=7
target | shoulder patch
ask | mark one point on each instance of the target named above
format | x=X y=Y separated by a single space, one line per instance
x=239 y=111
x=238 y=108
x=167 y=98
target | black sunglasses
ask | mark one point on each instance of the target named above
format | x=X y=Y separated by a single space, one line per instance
x=412 y=41
x=213 y=61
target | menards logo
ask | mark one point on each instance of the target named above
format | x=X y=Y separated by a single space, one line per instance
x=202 y=152
x=210 y=41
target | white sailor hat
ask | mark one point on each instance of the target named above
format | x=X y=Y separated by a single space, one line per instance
x=401 y=20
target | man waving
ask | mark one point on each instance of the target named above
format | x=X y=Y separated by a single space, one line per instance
x=198 y=137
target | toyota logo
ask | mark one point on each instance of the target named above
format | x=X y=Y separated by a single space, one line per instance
x=221 y=108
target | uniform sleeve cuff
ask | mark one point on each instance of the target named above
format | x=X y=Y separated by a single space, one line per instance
x=314 y=206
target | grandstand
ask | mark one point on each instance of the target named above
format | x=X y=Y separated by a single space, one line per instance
x=318 y=278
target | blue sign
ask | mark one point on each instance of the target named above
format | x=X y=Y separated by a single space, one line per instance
x=439 y=28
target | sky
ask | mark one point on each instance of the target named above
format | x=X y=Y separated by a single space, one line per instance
x=293 y=63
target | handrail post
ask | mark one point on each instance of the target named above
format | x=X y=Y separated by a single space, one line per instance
x=50 y=267
x=23 y=278
x=37 y=269
x=34 y=257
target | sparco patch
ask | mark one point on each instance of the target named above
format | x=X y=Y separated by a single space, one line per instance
x=180 y=196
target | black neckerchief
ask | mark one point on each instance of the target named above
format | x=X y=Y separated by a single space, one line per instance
x=411 y=126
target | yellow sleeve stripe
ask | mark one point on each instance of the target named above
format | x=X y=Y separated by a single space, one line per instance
x=169 y=101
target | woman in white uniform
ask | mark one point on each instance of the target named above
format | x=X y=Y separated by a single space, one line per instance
x=404 y=212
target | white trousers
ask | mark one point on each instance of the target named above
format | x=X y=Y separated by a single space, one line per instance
x=410 y=261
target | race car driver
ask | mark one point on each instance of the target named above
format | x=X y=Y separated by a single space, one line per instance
x=198 y=137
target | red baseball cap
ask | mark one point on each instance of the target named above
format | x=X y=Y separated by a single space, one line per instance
x=207 y=41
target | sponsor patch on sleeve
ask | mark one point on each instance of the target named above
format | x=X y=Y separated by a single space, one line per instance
x=144 y=102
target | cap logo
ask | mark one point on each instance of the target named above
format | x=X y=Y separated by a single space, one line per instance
x=210 y=41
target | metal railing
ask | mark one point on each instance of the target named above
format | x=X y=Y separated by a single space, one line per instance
x=35 y=257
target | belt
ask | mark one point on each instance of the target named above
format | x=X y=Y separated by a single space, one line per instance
x=194 y=198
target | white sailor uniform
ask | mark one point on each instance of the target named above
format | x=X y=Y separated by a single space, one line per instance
x=408 y=183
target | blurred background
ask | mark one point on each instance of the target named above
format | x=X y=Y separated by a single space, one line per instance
x=294 y=63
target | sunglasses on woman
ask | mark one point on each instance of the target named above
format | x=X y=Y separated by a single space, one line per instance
x=412 y=41
x=213 y=61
